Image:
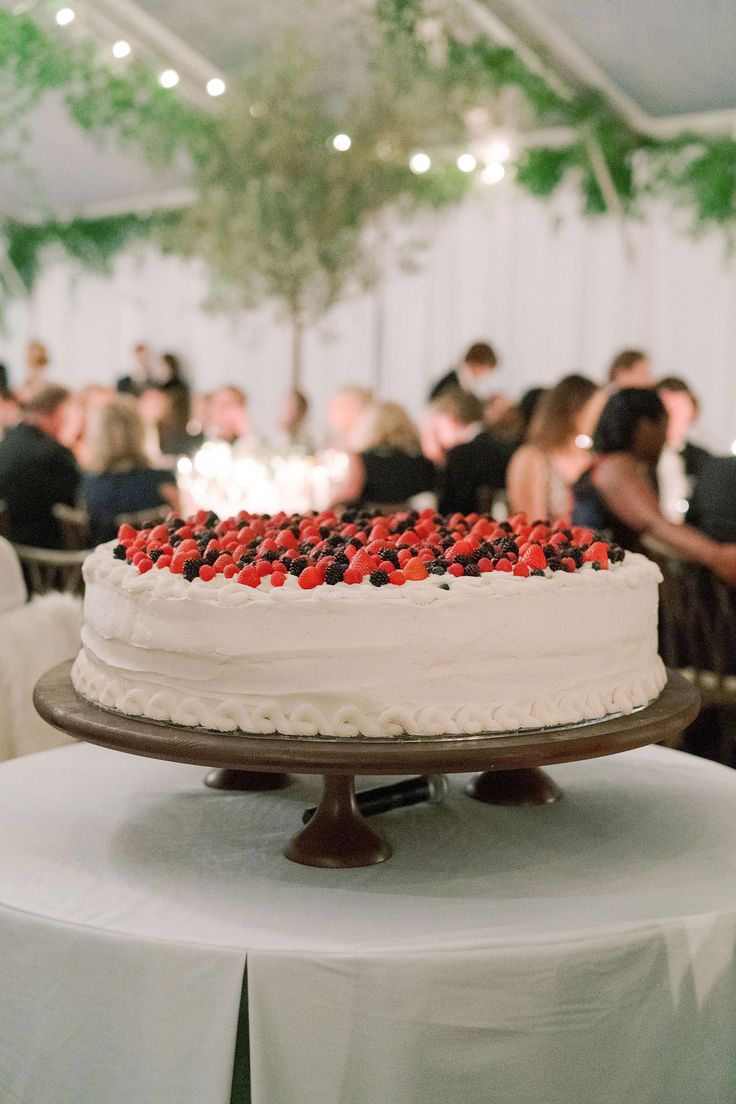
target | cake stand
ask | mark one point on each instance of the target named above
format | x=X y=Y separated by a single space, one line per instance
x=338 y=835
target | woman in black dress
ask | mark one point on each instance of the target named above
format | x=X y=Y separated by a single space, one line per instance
x=387 y=469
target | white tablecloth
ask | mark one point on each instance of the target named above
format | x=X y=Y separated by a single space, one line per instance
x=581 y=953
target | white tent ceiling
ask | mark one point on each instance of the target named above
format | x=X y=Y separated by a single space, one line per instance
x=666 y=64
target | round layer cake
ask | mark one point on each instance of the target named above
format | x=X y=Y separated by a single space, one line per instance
x=354 y=625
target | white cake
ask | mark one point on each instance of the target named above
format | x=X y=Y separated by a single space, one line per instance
x=450 y=653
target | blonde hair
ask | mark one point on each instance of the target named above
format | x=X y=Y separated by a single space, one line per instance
x=117 y=437
x=37 y=353
x=387 y=425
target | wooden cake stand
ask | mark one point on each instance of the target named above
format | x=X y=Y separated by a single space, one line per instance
x=338 y=835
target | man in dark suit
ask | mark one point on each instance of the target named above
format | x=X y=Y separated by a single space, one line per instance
x=141 y=377
x=681 y=461
x=37 y=471
x=475 y=374
x=475 y=459
x=713 y=506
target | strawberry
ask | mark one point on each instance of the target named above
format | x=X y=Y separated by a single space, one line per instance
x=568 y=563
x=127 y=532
x=220 y=564
x=597 y=553
x=249 y=577
x=159 y=533
x=285 y=539
x=162 y=562
x=415 y=569
x=310 y=578
x=534 y=557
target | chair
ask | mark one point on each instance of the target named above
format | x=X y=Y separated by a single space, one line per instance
x=143 y=519
x=4 y=519
x=74 y=525
x=47 y=569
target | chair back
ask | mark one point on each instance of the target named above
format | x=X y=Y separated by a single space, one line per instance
x=74 y=524
x=48 y=569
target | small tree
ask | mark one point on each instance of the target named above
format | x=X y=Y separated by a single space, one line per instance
x=281 y=214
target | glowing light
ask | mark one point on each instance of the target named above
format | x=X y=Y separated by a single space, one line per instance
x=215 y=86
x=121 y=49
x=498 y=150
x=257 y=110
x=733 y=448
x=342 y=142
x=493 y=173
x=682 y=506
x=65 y=16
x=583 y=441
x=420 y=163
x=466 y=162
x=169 y=78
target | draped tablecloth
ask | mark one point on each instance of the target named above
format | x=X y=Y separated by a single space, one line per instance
x=581 y=953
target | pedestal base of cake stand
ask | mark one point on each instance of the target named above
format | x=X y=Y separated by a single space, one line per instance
x=244 y=781
x=338 y=836
x=525 y=786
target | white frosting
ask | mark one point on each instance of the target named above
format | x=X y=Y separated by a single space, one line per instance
x=490 y=654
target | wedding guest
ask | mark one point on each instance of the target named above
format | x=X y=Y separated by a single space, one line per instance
x=175 y=435
x=527 y=406
x=153 y=407
x=228 y=415
x=293 y=427
x=681 y=461
x=475 y=374
x=37 y=361
x=141 y=374
x=544 y=469
x=475 y=458
x=36 y=470
x=343 y=412
x=630 y=368
x=121 y=479
x=617 y=493
x=9 y=410
x=713 y=504
x=388 y=469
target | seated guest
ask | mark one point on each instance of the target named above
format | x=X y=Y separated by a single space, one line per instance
x=475 y=374
x=389 y=469
x=37 y=361
x=618 y=495
x=630 y=368
x=346 y=407
x=544 y=469
x=713 y=504
x=36 y=470
x=293 y=428
x=681 y=461
x=141 y=375
x=475 y=459
x=121 y=480
x=228 y=415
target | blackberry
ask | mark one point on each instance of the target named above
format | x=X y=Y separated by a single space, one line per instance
x=341 y=558
x=348 y=516
x=577 y=555
x=444 y=586
x=245 y=561
x=389 y=554
x=211 y=556
x=334 y=573
x=379 y=578
x=297 y=565
x=155 y=555
x=211 y=520
x=554 y=565
x=119 y=551
x=305 y=547
x=472 y=570
x=505 y=526
x=463 y=560
x=325 y=532
x=191 y=569
x=537 y=571
x=507 y=544
x=355 y=542
x=437 y=567
x=175 y=523
x=616 y=554
x=596 y=566
x=334 y=540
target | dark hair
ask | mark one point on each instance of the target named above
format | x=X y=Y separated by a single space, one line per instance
x=527 y=405
x=461 y=405
x=554 y=418
x=4 y=382
x=481 y=353
x=621 y=416
x=680 y=387
x=624 y=362
x=173 y=363
x=46 y=399
x=301 y=402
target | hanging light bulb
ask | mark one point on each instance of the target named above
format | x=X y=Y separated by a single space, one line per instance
x=493 y=172
x=169 y=78
x=420 y=163
x=121 y=48
x=215 y=86
x=65 y=16
x=342 y=142
x=499 y=149
x=466 y=162
x=583 y=441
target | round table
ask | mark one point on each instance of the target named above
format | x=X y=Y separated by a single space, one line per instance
x=570 y=953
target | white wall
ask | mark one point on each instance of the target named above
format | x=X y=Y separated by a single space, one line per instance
x=553 y=291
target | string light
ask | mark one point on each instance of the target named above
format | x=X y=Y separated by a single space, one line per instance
x=215 y=86
x=342 y=142
x=498 y=150
x=583 y=441
x=65 y=16
x=420 y=163
x=466 y=162
x=493 y=173
x=121 y=48
x=169 y=78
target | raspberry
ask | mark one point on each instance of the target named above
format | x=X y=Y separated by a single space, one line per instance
x=504 y=565
x=397 y=578
x=145 y=563
x=456 y=569
x=230 y=570
x=163 y=561
x=264 y=568
x=387 y=565
x=309 y=578
x=207 y=572
x=521 y=569
x=278 y=579
x=484 y=565
x=568 y=563
x=352 y=576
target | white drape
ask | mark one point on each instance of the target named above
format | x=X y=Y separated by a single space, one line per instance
x=554 y=291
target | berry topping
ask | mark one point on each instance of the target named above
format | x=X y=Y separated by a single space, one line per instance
x=379 y=578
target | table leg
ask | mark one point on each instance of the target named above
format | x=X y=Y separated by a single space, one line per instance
x=247 y=781
x=527 y=786
x=338 y=836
